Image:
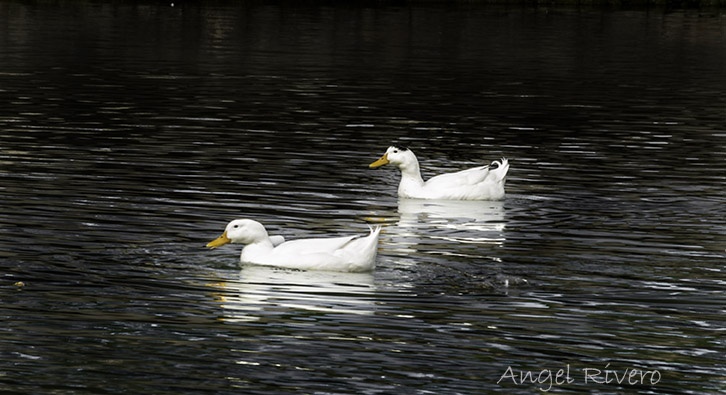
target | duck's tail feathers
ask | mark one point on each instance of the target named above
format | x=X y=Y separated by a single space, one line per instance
x=500 y=168
x=375 y=230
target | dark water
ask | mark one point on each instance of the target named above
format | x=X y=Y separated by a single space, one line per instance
x=131 y=133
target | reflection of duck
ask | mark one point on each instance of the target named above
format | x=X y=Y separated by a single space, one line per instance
x=478 y=183
x=486 y=215
x=261 y=289
x=343 y=254
x=478 y=222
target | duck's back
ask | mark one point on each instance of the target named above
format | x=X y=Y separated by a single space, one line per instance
x=344 y=254
x=478 y=183
x=471 y=176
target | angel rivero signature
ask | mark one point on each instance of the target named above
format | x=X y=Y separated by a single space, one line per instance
x=546 y=379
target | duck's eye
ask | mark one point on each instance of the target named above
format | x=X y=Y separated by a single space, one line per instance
x=395 y=151
x=236 y=226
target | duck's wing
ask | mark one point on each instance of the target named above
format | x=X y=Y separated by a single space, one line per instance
x=312 y=246
x=345 y=254
x=471 y=176
x=494 y=173
x=313 y=254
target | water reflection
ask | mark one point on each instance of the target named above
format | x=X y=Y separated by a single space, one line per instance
x=459 y=215
x=262 y=291
x=422 y=222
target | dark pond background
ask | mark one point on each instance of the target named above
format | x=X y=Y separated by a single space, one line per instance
x=131 y=133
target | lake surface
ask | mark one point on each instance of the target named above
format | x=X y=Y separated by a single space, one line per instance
x=130 y=134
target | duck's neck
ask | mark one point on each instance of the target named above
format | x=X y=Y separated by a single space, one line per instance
x=259 y=248
x=411 y=180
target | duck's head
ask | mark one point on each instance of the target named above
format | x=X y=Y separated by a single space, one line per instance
x=240 y=231
x=401 y=157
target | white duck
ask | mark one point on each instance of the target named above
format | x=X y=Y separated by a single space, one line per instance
x=340 y=254
x=478 y=183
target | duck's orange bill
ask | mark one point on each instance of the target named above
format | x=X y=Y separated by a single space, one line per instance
x=380 y=162
x=219 y=241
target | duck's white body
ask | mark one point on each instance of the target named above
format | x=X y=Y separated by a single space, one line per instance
x=478 y=183
x=340 y=254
